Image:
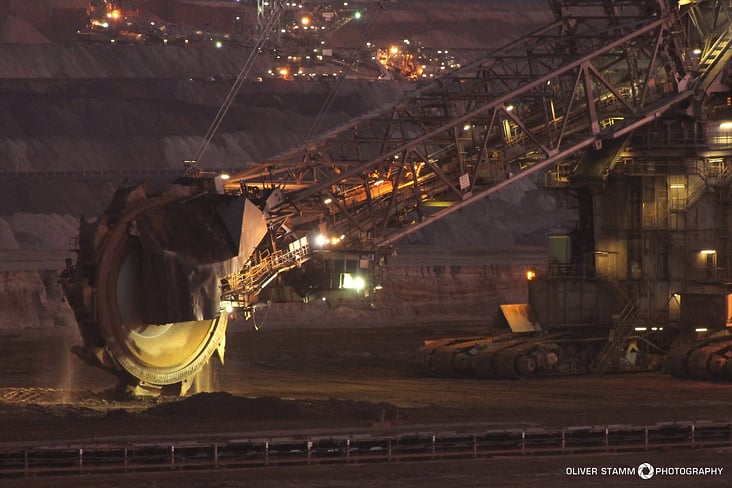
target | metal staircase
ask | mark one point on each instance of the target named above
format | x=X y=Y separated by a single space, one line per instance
x=623 y=328
x=240 y=288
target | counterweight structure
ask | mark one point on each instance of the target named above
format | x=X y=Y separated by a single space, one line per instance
x=621 y=103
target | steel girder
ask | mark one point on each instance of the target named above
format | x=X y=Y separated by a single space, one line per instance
x=601 y=70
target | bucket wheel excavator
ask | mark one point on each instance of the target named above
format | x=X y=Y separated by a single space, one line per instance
x=157 y=273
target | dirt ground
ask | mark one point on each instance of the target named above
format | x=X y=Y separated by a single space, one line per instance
x=277 y=380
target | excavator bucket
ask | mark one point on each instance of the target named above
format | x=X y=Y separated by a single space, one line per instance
x=145 y=289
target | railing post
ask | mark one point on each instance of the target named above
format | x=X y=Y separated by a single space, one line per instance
x=523 y=442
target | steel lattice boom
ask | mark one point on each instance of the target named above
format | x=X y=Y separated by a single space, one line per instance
x=602 y=69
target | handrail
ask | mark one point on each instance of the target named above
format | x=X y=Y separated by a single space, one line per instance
x=241 y=451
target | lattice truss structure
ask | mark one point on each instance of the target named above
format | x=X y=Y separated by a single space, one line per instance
x=601 y=70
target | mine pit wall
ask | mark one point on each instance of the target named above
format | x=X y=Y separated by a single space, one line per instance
x=424 y=295
x=33 y=299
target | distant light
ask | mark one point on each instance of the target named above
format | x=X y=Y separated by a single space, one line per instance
x=530 y=275
x=509 y=108
x=701 y=329
x=708 y=251
x=321 y=240
x=219 y=44
x=677 y=186
x=697 y=51
x=328 y=201
x=394 y=50
x=305 y=21
x=225 y=176
x=641 y=329
x=466 y=127
x=725 y=125
x=357 y=15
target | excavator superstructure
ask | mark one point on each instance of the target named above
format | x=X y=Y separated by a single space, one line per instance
x=578 y=102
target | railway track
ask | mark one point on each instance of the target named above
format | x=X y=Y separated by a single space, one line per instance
x=202 y=453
